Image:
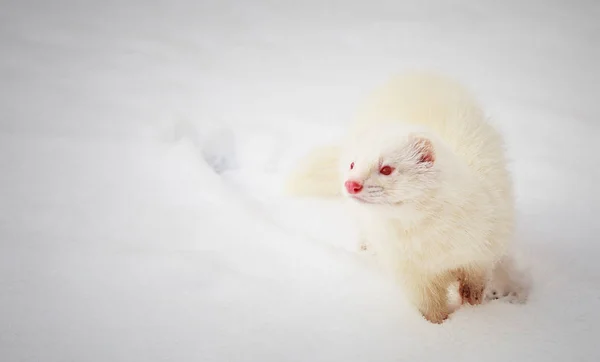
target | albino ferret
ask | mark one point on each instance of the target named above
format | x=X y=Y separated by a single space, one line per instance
x=425 y=176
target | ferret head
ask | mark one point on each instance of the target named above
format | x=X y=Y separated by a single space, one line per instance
x=390 y=166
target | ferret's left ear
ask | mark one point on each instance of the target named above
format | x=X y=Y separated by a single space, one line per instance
x=424 y=150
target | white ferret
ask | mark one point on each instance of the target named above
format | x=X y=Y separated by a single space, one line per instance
x=425 y=175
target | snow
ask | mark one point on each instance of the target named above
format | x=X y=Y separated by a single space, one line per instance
x=142 y=146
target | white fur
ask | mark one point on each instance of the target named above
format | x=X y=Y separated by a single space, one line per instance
x=316 y=174
x=426 y=219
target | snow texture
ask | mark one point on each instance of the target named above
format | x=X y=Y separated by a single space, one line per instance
x=142 y=146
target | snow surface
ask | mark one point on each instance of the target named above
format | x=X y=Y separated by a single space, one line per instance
x=142 y=145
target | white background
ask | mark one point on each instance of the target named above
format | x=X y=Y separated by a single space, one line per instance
x=120 y=242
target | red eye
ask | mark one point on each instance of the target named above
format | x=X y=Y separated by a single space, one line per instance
x=352 y=165
x=386 y=170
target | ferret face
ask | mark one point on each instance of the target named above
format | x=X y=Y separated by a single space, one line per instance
x=391 y=170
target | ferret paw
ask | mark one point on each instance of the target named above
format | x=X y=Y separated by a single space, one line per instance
x=511 y=295
x=509 y=283
x=435 y=317
x=471 y=293
x=506 y=289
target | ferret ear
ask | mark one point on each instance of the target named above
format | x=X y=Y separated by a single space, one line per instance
x=423 y=150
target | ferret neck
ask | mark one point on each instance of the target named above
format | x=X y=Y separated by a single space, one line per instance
x=454 y=184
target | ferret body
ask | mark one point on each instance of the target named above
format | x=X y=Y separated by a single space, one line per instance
x=425 y=177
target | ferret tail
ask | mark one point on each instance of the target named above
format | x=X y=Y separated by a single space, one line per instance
x=316 y=174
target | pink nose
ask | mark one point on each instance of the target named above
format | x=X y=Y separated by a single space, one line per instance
x=353 y=187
